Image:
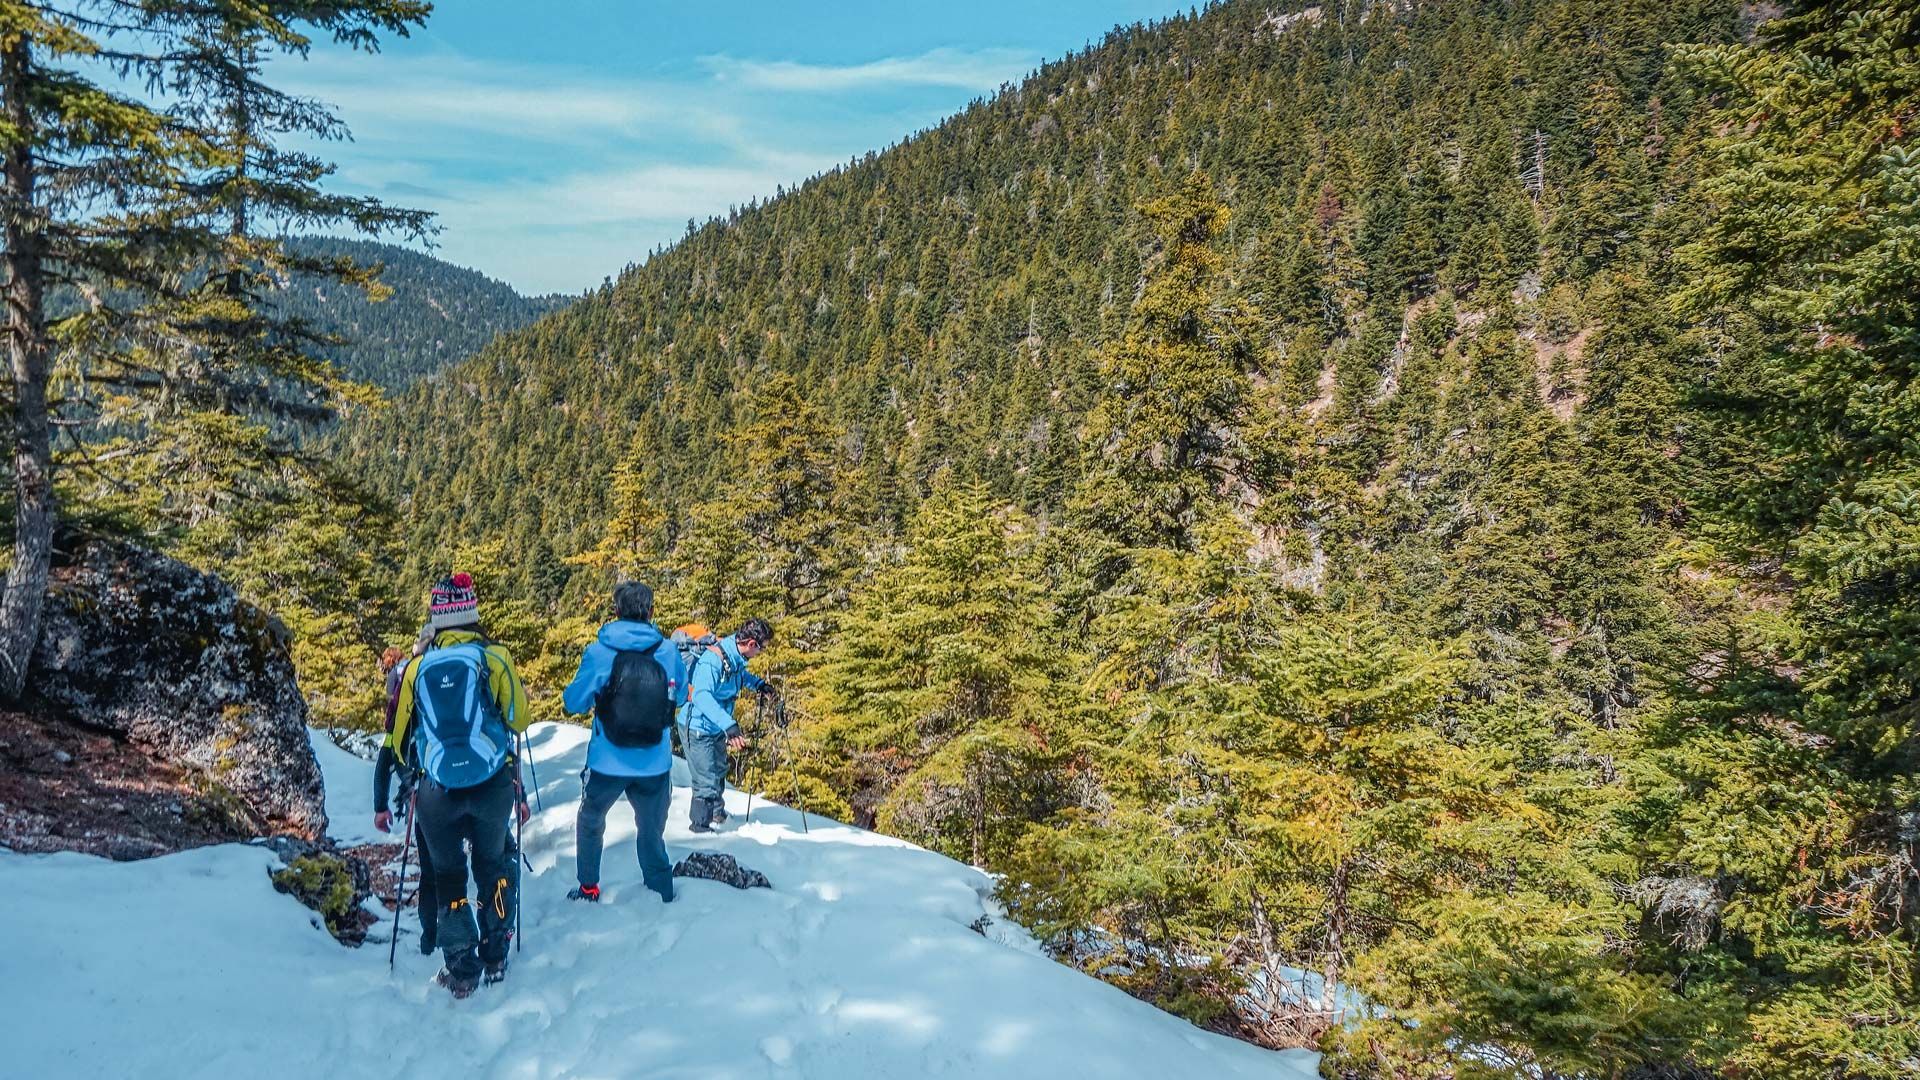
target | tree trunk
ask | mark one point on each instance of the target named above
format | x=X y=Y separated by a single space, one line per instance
x=21 y=256
x=1336 y=939
x=1271 y=963
x=240 y=114
x=979 y=822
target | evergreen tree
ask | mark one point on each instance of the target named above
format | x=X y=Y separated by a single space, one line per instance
x=85 y=178
x=942 y=681
x=148 y=217
x=1799 y=752
x=1176 y=385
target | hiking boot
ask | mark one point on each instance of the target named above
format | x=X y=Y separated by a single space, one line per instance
x=460 y=987
x=700 y=828
x=496 y=971
x=589 y=893
x=719 y=816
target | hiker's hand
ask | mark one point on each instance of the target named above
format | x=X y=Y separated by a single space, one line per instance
x=522 y=811
x=738 y=742
x=383 y=821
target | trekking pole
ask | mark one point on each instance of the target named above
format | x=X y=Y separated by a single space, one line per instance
x=759 y=725
x=526 y=747
x=793 y=771
x=400 y=883
x=520 y=853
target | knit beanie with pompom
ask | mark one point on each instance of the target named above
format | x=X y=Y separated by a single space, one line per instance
x=454 y=602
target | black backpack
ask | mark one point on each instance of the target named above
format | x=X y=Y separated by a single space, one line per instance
x=634 y=708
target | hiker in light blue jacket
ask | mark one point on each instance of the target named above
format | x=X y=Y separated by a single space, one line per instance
x=634 y=680
x=707 y=727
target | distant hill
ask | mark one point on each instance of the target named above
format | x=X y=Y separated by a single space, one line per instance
x=438 y=314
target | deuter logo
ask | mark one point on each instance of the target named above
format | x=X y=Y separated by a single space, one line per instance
x=446 y=682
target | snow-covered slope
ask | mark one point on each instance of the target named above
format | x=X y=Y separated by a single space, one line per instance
x=858 y=963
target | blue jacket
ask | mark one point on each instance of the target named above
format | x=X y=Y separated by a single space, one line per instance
x=709 y=707
x=596 y=664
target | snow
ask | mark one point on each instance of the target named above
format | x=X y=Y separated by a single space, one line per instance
x=858 y=963
x=349 y=790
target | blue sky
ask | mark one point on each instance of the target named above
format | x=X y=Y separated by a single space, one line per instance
x=560 y=146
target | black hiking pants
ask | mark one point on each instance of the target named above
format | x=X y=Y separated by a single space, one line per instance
x=427 y=896
x=649 y=796
x=451 y=823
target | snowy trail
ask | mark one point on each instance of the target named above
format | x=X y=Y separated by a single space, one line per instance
x=858 y=963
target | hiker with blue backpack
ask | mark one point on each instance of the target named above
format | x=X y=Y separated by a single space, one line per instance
x=461 y=704
x=633 y=680
x=708 y=729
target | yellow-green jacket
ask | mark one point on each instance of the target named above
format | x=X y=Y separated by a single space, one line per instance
x=508 y=693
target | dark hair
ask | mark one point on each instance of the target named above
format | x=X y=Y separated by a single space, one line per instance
x=633 y=601
x=755 y=629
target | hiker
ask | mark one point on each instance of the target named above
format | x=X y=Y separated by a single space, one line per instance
x=633 y=680
x=708 y=728
x=385 y=766
x=461 y=703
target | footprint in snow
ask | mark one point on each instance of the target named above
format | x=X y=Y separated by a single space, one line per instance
x=778 y=1049
x=664 y=937
x=777 y=946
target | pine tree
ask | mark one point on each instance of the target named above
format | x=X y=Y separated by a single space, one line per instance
x=1800 y=746
x=941 y=681
x=777 y=540
x=119 y=204
x=65 y=143
x=1175 y=385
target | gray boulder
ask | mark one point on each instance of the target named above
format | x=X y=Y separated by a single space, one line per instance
x=171 y=659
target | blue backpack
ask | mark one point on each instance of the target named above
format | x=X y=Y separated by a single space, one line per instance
x=460 y=738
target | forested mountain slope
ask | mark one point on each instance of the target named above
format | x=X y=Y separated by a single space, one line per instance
x=941 y=301
x=437 y=313
x=1398 y=499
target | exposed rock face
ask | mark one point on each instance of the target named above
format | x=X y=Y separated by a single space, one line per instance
x=145 y=647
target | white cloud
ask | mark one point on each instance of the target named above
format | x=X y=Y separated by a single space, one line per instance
x=983 y=70
x=552 y=177
x=385 y=95
x=667 y=193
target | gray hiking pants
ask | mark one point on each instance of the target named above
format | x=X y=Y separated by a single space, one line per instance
x=707 y=761
x=650 y=797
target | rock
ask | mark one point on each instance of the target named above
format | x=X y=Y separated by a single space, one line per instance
x=129 y=848
x=62 y=757
x=332 y=882
x=714 y=866
x=170 y=658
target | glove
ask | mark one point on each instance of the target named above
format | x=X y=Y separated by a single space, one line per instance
x=383 y=821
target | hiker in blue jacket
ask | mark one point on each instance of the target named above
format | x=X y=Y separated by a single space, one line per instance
x=708 y=729
x=633 y=679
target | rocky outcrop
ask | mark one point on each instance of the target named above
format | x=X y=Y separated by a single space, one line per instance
x=169 y=658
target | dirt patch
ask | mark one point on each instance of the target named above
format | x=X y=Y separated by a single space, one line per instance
x=1323 y=390
x=383 y=864
x=64 y=787
x=1560 y=372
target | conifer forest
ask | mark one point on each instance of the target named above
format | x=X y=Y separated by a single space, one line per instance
x=1390 y=526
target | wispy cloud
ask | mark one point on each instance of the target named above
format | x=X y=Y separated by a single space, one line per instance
x=449 y=92
x=552 y=175
x=982 y=70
